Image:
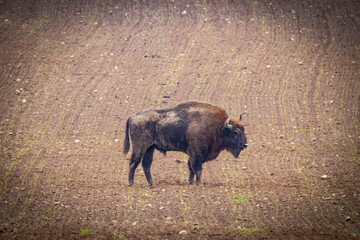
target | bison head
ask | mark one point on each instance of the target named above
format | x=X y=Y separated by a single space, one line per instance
x=234 y=138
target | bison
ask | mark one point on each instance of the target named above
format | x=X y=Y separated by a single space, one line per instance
x=199 y=129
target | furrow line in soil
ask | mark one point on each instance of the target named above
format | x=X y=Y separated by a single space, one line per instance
x=179 y=67
x=22 y=123
x=44 y=159
x=98 y=115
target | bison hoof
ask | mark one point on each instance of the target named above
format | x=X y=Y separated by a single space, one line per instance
x=199 y=184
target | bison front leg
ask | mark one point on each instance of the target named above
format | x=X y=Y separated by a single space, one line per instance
x=195 y=167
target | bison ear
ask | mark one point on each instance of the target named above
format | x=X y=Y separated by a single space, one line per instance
x=240 y=117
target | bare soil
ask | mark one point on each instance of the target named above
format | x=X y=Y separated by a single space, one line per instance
x=72 y=72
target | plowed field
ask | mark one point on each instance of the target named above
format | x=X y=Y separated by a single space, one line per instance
x=72 y=72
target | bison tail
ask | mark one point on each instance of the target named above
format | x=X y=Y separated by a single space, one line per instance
x=126 y=140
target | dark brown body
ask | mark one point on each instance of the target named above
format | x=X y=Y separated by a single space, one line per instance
x=200 y=130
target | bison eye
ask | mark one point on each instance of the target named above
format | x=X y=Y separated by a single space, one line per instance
x=234 y=134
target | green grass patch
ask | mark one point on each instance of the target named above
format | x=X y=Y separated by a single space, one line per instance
x=51 y=212
x=241 y=198
x=302 y=129
x=246 y=230
x=85 y=232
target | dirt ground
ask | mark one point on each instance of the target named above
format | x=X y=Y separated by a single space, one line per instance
x=72 y=72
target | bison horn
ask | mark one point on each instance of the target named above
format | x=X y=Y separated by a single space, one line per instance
x=227 y=123
x=240 y=117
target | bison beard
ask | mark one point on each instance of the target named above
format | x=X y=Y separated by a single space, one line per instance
x=235 y=151
x=200 y=130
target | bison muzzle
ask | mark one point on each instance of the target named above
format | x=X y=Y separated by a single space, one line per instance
x=200 y=130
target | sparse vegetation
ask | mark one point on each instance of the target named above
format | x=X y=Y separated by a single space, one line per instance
x=246 y=230
x=302 y=129
x=241 y=198
x=85 y=232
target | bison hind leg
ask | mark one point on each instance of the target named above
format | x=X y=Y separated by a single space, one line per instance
x=133 y=164
x=146 y=164
x=192 y=174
